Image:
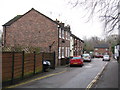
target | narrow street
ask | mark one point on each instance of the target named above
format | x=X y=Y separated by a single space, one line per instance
x=73 y=77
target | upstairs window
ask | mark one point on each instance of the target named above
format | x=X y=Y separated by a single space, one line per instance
x=60 y=32
x=66 y=35
x=63 y=34
x=96 y=48
x=106 y=49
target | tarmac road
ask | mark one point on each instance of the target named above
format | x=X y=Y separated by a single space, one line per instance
x=68 y=77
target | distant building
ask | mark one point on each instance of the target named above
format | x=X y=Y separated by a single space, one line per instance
x=76 y=46
x=101 y=49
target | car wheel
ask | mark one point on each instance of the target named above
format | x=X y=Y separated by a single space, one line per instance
x=103 y=59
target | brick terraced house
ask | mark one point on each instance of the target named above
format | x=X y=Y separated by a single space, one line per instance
x=101 y=49
x=76 y=47
x=34 y=29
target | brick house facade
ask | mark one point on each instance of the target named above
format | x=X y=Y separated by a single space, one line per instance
x=77 y=46
x=64 y=42
x=101 y=49
x=32 y=29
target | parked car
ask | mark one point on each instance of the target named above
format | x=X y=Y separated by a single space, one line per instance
x=106 y=57
x=46 y=65
x=98 y=56
x=76 y=61
x=86 y=57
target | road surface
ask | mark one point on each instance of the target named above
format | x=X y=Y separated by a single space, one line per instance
x=72 y=77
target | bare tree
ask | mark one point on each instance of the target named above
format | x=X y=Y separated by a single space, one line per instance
x=107 y=9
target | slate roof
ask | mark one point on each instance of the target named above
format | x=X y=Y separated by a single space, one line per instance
x=13 y=20
x=102 y=46
x=77 y=37
x=19 y=16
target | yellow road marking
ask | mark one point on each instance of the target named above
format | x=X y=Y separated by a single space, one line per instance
x=95 y=79
x=13 y=86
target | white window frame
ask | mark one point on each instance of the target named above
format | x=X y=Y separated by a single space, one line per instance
x=66 y=54
x=63 y=34
x=66 y=35
x=96 y=49
x=59 y=52
x=106 y=49
x=68 y=51
x=60 y=31
x=63 y=52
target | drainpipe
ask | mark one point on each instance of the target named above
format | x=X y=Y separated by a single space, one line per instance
x=4 y=36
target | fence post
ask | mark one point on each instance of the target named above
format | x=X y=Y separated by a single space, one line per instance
x=12 y=79
x=23 y=53
x=34 y=62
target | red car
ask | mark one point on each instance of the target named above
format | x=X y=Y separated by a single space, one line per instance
x=76 y=61
x=98 y=56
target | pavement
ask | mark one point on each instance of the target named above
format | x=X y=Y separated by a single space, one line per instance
x=109 y=77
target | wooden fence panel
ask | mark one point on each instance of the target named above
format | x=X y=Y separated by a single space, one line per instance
x=6 y=66
x=28 y=64
x=17 y=65
x=39 y=66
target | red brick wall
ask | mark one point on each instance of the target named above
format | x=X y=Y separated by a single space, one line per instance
x=101 y=50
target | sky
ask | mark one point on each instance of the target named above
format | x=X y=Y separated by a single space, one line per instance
x=55 y=9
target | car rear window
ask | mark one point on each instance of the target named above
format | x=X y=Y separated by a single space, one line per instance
x=106 y=55
x=76 y=58
x=86 y=55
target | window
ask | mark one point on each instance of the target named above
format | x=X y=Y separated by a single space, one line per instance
x=59 y=52
x=96 y=48
x=68 y=51
x=106 y=49
x=63 y=34
x=59 y=32
x=62 y=52
x=66 y=35
x=66 y=54
x=76 y=58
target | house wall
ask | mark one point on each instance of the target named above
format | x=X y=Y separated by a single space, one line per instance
x=101 y=50
x=64 y=43
x=71 y=46
x=33 y=29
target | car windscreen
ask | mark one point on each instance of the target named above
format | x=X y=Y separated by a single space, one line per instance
x=76 y=58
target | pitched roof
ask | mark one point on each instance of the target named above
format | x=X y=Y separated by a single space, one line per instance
x=102 y=46
x=19 y=16
x=77 y=37
x=12 y=20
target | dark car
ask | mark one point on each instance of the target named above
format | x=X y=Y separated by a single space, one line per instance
x=46 y=65
x=76 y=61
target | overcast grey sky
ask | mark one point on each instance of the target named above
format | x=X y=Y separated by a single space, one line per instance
x=55 y=9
